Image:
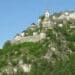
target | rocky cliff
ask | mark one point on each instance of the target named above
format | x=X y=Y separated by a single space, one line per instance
x=54 y=55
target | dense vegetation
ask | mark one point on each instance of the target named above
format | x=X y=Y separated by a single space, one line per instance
x=54 y=55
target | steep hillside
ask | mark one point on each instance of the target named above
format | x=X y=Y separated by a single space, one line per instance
x=53 y=55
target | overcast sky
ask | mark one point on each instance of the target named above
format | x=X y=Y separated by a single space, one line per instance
x=17 y=15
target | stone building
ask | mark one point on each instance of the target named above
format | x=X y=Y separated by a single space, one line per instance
x=33 y=26
x=46 y=22
x=36 y=36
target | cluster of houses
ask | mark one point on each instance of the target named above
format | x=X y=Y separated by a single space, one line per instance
x=47 y=22
x=35 y=36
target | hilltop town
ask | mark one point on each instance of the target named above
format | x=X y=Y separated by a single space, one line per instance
x=44 y=48
x=37 y=31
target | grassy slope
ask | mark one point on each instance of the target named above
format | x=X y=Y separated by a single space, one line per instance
x=32 y=52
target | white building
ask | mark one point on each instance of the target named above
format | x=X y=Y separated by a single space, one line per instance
x=46 y=22
x=47 y=14
x=22 y=34
x=39 y=20
x=18 y=37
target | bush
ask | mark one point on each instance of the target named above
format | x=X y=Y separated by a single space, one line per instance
x=7 y=44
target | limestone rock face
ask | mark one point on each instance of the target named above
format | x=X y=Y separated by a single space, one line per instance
x=45 y=48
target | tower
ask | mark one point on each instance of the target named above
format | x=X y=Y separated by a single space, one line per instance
x=46 y=22
x=46 y=10
x=47 y=14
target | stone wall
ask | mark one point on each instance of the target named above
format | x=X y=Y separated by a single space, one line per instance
x=36 y=38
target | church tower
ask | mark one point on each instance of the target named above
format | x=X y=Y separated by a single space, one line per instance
x=47 y=15
x=46 y=22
